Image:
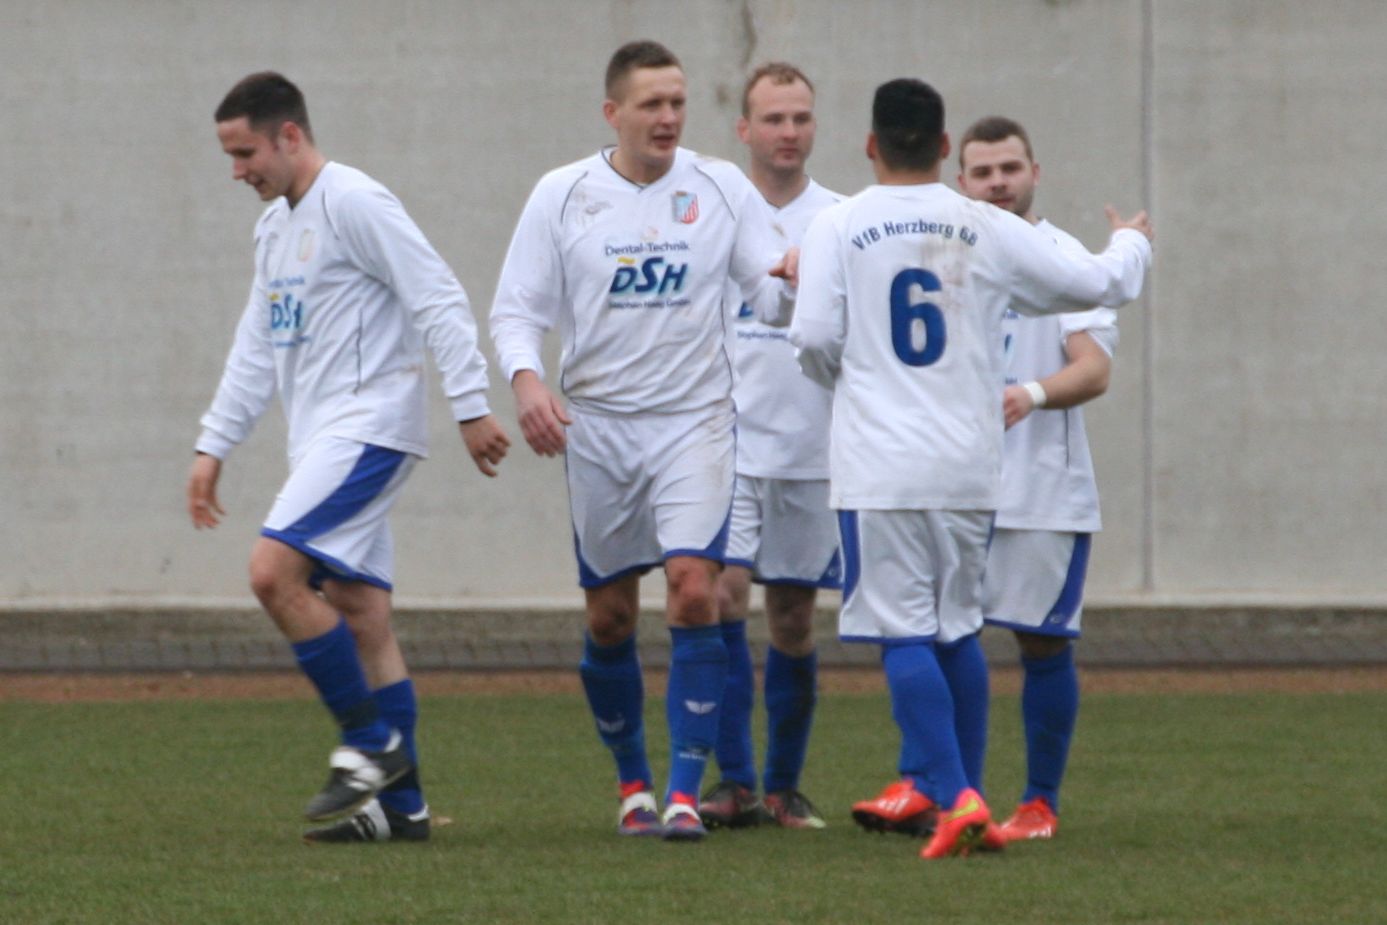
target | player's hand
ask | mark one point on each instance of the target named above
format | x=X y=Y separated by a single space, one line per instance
x=203 y=506
x=542 y=415
x=486 y=442
x=788 y=267
x=1139 y=222
x=1016 y=404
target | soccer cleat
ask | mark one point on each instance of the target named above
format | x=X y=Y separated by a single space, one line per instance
x=638 y=815
x=374 y=822
x=1034 y=819
x=730 y=805
x=356 y=777
x=960 y=830
x=681 y=822
x=899 y=808
x=791 y=809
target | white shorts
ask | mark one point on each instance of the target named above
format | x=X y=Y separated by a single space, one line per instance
x=1035 y=581
x=784 y=531
x=643 y=488
x=333 y=509
x=912 y=576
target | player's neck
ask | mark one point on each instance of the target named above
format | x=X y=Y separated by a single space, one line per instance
x=777 y=187
x=888 y=176
x=639 y=172
x=305 y=176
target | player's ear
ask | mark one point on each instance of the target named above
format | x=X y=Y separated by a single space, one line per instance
x=871 y=146
x=944 y=147
x=609 y=112
x=742 y=128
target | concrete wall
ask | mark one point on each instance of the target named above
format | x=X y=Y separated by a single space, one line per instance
x=1239 y=448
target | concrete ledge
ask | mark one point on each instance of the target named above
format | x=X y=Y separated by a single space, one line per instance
x=235 y=639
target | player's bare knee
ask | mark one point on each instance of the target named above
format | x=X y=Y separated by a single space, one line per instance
x=692 y=592
x=790 y=619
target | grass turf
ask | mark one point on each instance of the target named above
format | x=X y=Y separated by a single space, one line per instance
x=1247 y=808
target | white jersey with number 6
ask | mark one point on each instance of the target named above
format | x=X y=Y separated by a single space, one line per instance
x=902 y=292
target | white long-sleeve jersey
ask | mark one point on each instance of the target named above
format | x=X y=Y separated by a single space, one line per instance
x=635 y=279
x=1047 y=470
x=346 y=293
x=902 y=290
x=782 y=415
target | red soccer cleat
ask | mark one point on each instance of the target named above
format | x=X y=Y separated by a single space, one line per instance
x=1034 y=819
x=899 y=808
x=960 y=830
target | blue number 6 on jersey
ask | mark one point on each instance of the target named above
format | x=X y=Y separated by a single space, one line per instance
x=904 y=314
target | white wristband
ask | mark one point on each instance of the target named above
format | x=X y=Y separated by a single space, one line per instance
x=1037 y=393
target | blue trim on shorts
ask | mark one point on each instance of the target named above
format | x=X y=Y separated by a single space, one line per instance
x=1071 y=596
x=889 y=642
x=830 y=580
x=325 y=567
x=589 y=578
x=1041 y=630
x=373 y=471
x=742 y=563
x=716 y=550
x=850 y=547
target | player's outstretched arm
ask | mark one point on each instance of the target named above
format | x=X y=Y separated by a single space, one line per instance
x=203 y=506
x=486 y=442
x=542 y=415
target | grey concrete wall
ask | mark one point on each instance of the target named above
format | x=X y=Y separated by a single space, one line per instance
x=1239 y=448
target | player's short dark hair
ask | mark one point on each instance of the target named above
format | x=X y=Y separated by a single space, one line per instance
x=778 y=73
x=633 y=55
x=267 y=100
x=908 y=122
x=992 y=129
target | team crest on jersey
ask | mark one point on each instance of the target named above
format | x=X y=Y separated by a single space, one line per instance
x=745 y=313
x=685 y=207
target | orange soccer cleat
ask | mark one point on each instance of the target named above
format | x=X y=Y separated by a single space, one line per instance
x=962 y=829
x=899 y=808
x=1034 y=819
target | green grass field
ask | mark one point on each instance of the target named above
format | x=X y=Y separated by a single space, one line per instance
x=1179 y=808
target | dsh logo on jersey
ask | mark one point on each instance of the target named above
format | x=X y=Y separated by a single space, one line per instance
x=286 y=319
x=652 y=275
x=685 y=207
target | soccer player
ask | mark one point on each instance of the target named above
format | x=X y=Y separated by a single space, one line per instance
x=1036 y=562
x=782 y=534
x=629 y=252
x=902 y=292
x=346 y=292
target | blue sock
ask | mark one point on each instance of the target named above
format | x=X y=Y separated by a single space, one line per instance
x=400 y=710
x=965 y=668
x=924 y=711
x=1049 y=708
x=790 y=695
x=697 y=678
x=616 y=694
x=331 y=662
x=736 y=759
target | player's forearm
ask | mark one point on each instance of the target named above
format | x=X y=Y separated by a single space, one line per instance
x=1080 y=381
